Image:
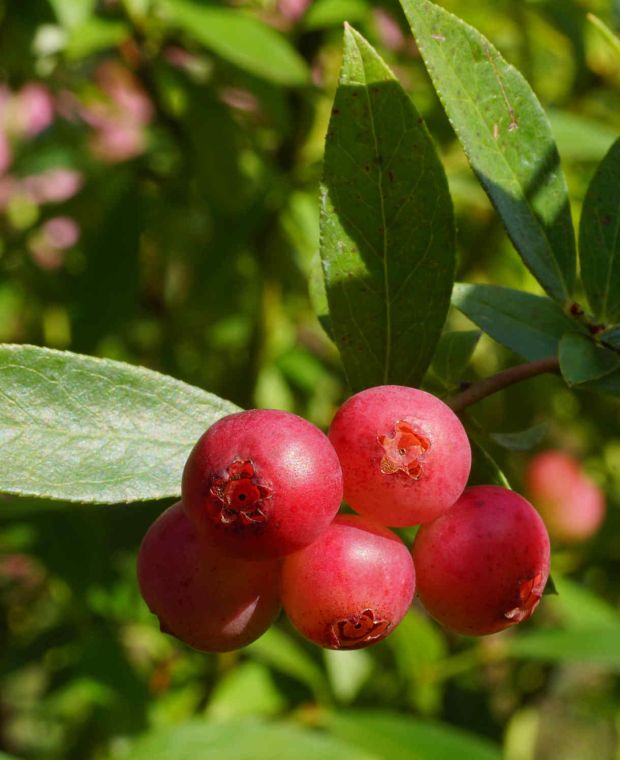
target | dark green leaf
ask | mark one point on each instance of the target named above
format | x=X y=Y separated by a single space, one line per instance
x=247 y=740
x=453 y=354
x=523 y=440
x=599 y=238
x=582 y=360
x=507 y=138
x=399 y=737
x=240 y=39
x=82 y=429
x=527 y=324
x=550 y=588
x=387 y=227
x=611 y=337
x=484 y=469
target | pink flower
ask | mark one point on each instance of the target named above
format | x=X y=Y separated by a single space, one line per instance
x=53 y=185
x=35 y=107
x=61 y=232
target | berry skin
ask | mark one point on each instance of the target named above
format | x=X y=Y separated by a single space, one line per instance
x=570 y=503
x=405 y=455
x=207 y=599
x=351 y=587
x=262 y=483
x=482 y=566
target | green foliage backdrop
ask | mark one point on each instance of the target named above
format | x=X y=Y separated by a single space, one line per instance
x=184 y=187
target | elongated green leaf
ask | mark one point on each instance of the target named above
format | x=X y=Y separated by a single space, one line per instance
x=242 y=740
x=527 y=324
x=387 y=227
x=240 y=39
x=406 y=738
x=582 y=360
x=522 y=440
x=599 y=238
x=82 y=429
x=453 y=353
x=507 y=139
x=598 y=645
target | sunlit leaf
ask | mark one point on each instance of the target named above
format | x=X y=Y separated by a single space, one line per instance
x=77 y=428
x=506 y=137
x=240 y=39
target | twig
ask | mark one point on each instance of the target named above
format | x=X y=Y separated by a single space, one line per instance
x=483 y=388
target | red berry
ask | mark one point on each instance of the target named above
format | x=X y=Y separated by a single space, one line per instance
x=482 y=566
x=207 y=599
x=262 y=483
x=405 y=455
x=351 y=587
x=570 y=503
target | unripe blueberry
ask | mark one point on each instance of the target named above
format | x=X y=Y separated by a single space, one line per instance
x=570 y=503
x=351 y=587
x=262 y=483
x=405 y=455
x=205 y=598
x=482 y=566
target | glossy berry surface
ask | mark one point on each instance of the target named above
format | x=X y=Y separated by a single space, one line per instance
x=570 y=503
x=405 y=455
x=207 y=599
x=351 y=587
x=482 y=566
x=262 y=483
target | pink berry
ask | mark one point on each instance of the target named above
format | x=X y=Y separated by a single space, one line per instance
x=405 y=455
x=262 y=483
x=207 y=599
x=570 y=503
x=482 y=566
x=351 y=587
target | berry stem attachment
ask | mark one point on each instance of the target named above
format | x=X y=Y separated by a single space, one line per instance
x=490 y=385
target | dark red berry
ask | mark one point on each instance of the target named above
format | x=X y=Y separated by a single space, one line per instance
x=405 y=455
x=482 y=566
x=205 y=598
x=262 y=483
x=351 y=587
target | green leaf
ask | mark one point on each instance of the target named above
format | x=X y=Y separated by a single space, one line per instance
x=241 y=40
x=453 y=354
x=242 y=740
x=527 y=324
x=611 y=337
x=94 y=35
x=82 y=429
x=507 y=139
x=247 y=689
x=580 y=608
x=592 y=645
x=522 y=440
x=582 y=360
x=348 y=671
x=612 y=39
x=599 y=238
x=286 y=655
x=399 y=737
x=581 y=138
x=484 y=469
x=325 y=13
x=387 y=226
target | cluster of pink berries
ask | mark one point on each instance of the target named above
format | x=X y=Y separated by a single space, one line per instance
x=258 y=527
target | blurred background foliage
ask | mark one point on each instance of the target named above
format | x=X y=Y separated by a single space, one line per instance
x=159 y=168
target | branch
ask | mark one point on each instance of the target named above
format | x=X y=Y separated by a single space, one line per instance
x=483 y=388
